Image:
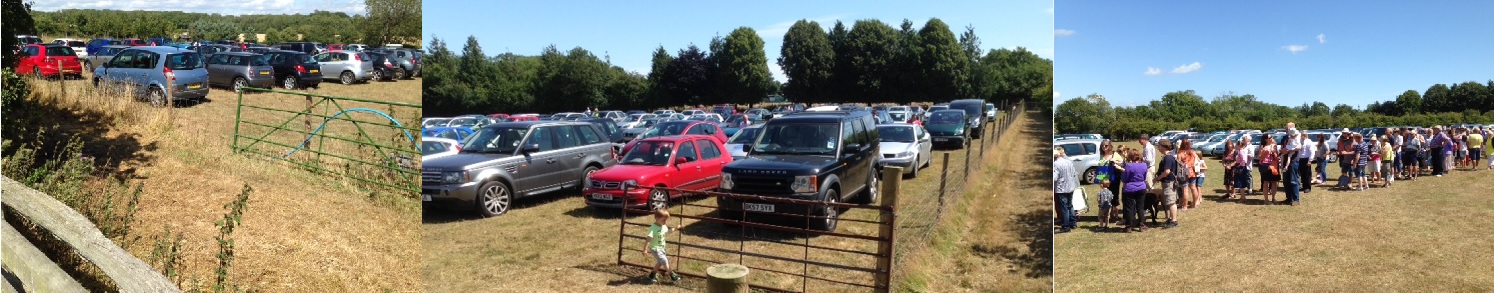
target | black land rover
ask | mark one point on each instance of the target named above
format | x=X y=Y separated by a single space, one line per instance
x=975 y=112
x=827 y=156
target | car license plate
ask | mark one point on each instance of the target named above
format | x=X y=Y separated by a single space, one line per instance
x=315 y=71
x=264 y=72
x=757 y=207
x=425 y=197
x=194 y=86
x=601 y=196
x=941 y=139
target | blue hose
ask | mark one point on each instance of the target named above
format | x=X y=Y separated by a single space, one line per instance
x=307 y=141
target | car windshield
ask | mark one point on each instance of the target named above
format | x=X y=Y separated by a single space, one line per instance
x=736 y=120
x=937 y=108
x=60 y=51
x=435 y=122
x=745 y=136
x=798 y=139
x=666 y=129
x=898 y=116
x=946 y=117
x=895 y=133
x=306 y=59
x=108 y=51
x=1218 y=138
x=431 y=147
x=184 y=61
x=647 y=123
x=655 y=153
x=495 y=140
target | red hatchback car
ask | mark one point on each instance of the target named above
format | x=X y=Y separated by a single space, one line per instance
x=133 y=42
x=42 y=60
x=689 y=162
x=680 y=127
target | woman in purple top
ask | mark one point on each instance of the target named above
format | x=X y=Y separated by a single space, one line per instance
x=1134 y=192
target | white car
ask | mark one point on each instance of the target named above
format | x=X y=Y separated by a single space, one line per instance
x=712 y=117
x=634 y=120
x=905 y=145
x=435 y=147
x=693 y=112
x=79 y=47
x=990 y=112
x=823 y=109
x=1085 y=154
x=743 y=137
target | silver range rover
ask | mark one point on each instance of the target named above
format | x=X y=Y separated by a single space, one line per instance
x=505 y=161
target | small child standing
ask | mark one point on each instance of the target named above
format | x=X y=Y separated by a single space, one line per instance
x=655 y=248
x=1106 y=208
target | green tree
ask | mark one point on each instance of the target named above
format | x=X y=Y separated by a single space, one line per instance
x=1409 y=101
x=872 y=48
x=17 y=21
x=970 y=44
x=1437 y=99
x=210 y=29
x=1344 y=110
x=1469 y=95
x=657 y=94
x=744 y=77
x=808 y=61
x=685 y=77
x=1083 y=115
x=943 y=62
x=390 y=19
x=843 y=74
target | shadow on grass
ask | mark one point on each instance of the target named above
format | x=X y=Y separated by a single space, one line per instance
x=48 y=128
x=1033 y=229
x=451 y=212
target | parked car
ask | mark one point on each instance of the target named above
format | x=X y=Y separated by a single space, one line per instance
x=147 y=70
x=609 y=129
x=209 y=50
x=818 y=156
x=903 y=116
x=355 y=47
x=345 y=67
x=905 y=145
x=133 y=42
x=1168 y=133
x=663 y=112
x=634 y=120
x=949 y=128
x=485 y=174
x=383 y=69
x=48 y=60
x=689 y=162
x=1084 y=154
x=712 y=117
x=406 y=64
x=435 y=147
x=724 y=109
x=678 y=128
x=975 y=112
x=28 y=39
x=990 y=112
x=335 y=47
x=524 y=117
x=237 y=70
x=745 y=136
x=79 y=48
x=294 y=70
x=158 y=41
x=434 y=122
x=638 y=128
x=785 y=109
x=693 y=112
x=472 y=122
x=759 y=114
x=101 y=56
x=930 y=112
x=616 y=116
x=308 y=48
x=94 y=45
x=736 y=122
x=448 y=132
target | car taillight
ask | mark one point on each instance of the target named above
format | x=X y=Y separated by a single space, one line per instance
x=356 y=58
x=169 y=75
x=301 y=69
x=387 y=64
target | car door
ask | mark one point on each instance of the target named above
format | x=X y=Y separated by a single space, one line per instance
x=925 y=145
x=28 y=59
x=539 y=167
x=688 y=173
x=712 y=157
x=219 y=71
x=855 y=174
x=568 y=158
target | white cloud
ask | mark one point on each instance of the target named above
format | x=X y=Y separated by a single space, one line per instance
x=1195 y=66
x=205 y=6
x=777 y=72
x=1322 y=39
x=1153 y=71
x=776 y=31
x=1063 y=32
x=1294 y=48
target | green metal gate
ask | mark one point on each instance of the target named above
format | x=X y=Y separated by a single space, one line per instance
x=382 y=152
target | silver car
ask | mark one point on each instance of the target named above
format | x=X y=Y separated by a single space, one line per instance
x=905 y=145
x=1085 y=155
x=239 y=70
x=156 y=72
x=102 y=56
x=346 y=67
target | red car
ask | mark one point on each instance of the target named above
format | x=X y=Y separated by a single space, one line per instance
x=689 y=162
x=498 y=116
x=335 y=47
x=132 y=42
x=42 y=60
x=681 y=127
x=525 y=117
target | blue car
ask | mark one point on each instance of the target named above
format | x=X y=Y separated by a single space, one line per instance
x=453 y=133
x=155 y=73
x=95 y=44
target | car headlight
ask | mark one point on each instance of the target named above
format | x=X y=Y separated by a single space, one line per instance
x=959 y=131
x=905 y=154
x=726 y=183
x=629 y=183
x=805 y=184
x=454 y=177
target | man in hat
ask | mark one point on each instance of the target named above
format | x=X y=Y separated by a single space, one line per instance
x=1345 y=152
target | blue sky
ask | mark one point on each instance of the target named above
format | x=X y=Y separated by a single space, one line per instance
x=1283 y=52
x=629 y=31
x=232 y=7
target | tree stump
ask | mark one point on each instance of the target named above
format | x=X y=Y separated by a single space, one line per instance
x=726 y=278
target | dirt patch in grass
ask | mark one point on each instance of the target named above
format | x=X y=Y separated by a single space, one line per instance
x=300 y=231
x=1420 y=235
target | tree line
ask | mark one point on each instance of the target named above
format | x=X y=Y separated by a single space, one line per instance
x=386 y=21
x=868 y=63
x=1466 y=102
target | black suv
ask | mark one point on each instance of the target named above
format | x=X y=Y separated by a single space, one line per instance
x=310 y=48
x=822 y=156
x=294 y=70
x=975 y=112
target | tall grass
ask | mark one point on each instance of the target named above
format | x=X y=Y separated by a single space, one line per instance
x=115 y=104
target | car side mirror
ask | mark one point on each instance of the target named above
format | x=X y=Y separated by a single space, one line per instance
x=853 y=147
x=532 y=148
x=681 y=160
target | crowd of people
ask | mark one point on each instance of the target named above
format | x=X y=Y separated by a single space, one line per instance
x=1173 y=174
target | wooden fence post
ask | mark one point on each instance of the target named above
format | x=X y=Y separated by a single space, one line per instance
x=61 y=78
x=892 y=180
x=727 y=278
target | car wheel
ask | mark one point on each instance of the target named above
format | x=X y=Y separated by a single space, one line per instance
x=239 y=84
x=378 y=75
x=36 y=70
x=1089 y=175
x=346 y=78
x=494 y=199
x=586 y=177
x=914 y=173
x=658 y=199
x=401 y=74
x=289 y=83
x=157 y=97
x=871 y=188
x=831 y=214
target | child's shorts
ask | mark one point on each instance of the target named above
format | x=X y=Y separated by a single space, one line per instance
x=659 y=257
x=1242 y=178
x=1359 y=172
x=1198 y=181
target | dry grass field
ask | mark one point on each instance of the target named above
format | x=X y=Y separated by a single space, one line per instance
x=301 y=231
x=1421 y=235
x=555 y=243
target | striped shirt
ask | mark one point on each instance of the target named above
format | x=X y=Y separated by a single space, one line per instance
x=1063 y=176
